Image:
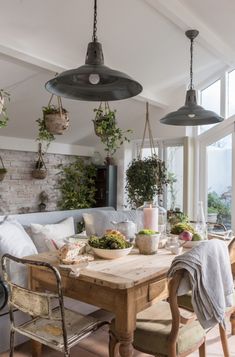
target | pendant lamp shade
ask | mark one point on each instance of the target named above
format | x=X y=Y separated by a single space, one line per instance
x=191 y=114
x=94 y=81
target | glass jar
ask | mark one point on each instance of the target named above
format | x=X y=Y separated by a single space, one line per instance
x=200 y=226
x=148 y=216
x=162 y=221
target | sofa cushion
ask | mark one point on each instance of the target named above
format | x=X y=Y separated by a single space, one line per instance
x=15 y=241
x=96 y=223
x=43 y=235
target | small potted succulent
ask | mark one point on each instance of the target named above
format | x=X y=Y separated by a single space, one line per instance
x=147 y=241
x=55 y=117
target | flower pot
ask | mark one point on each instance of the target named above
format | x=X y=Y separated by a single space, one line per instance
x=56 y=123
x=147 y=244
x=39 y=174
x=3 y=172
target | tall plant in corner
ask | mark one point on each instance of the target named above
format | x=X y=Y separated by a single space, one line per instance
x=106 y=128
x=4 y=97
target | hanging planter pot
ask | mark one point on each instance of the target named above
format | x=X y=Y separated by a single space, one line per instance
x=55 y=117
x=40 y=170
x=105 y=120
x=3 y=170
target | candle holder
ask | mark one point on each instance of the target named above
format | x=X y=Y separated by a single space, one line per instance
x=148 y=216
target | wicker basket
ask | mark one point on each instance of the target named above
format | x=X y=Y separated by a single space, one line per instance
x=3 y=170
x=56 y=123
x=40 y=170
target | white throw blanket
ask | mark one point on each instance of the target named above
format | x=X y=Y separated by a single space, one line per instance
x=209 y=277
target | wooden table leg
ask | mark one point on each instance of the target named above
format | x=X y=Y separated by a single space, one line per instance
x=125 y=322
x=36 y=348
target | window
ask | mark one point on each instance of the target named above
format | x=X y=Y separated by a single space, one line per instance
x=210 y=100
x=219 y=168
x=174 y=160
x=231 y=93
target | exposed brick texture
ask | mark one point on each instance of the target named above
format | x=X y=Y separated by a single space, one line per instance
x=19 y=191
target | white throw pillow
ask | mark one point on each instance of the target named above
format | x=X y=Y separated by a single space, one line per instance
x=15 y=241
x=41 y=234
x=96 y=223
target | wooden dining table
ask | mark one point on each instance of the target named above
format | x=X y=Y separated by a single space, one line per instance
x=124 y=286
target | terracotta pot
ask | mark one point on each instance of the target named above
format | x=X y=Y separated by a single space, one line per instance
x=39 y=174
x=147 y=244
x=56 y=123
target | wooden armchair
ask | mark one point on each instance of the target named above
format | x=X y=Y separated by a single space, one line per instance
x=159 y=331
x=58 y=328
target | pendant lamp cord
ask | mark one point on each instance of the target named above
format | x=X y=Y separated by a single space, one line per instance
x=191 y=64
x=94 y=37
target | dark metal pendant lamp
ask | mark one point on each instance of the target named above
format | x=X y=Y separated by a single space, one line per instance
x=191 y=113
x=94 y=81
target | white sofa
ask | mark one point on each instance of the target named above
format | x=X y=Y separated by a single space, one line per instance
x=43 y=218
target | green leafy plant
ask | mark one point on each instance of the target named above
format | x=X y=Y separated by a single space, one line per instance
x=109 y=241
x=106 y=128
x=181 y=227
x=4 y=96
x=216 y=205
x=77 y=185
x=145 y=178
x=53 y=109
x=43 y=134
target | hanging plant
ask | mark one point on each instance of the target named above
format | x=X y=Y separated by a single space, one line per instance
x=44 y=137
x=3 y=170
x=40 y=170
x=77 y=185
x=106 y=128
x=55 y=117
x=4 y=96
x=145 y=178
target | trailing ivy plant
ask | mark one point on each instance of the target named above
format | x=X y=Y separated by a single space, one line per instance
x=77 y=185
x=43 y=134
x=106 y=128
x=145 y=178
x=4 y=96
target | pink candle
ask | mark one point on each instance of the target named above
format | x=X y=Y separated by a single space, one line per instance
x=151 y=218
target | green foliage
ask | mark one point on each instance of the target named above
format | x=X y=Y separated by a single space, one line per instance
x=145 y=179
x=106 y=128
x=43 y=133
x=175 y=217
x=53 y=109
x=109 y=241
x=3 y=116
x=216 y=205
x=77 y=185
x=196 y=237
x=180 y=227
x=148 y=232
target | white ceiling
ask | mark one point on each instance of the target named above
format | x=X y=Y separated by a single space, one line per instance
x=144 y=38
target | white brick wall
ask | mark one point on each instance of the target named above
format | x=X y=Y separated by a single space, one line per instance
x=19 y=191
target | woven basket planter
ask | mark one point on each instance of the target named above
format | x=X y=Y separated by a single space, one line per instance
x=56 y=123
x=39 y=174
x=3 y=170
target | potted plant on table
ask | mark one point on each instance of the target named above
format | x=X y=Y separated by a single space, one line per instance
x=147 y=241
x=106 y=128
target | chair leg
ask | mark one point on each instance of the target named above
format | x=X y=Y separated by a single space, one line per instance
x=202 y=350
x=232 y=320
x=12 y=335
x=113 y=341
x=224 y=340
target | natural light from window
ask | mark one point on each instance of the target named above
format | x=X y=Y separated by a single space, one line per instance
x=175 y=157
x=210 y=100
x=231 y=93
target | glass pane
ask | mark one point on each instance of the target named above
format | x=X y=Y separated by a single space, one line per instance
x=219 y=157
x=175 y=159
x=231 y=93
x=210 y=99
x=146 y=152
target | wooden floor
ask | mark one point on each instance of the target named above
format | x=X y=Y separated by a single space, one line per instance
x=96 y=345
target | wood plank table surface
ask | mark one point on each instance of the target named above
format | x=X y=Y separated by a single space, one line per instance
x=123 y=286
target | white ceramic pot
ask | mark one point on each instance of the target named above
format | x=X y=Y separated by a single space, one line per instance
x=111 y=253
x=147 y=244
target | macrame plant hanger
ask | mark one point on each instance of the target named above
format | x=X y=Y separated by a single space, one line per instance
x=40 y=171
x=147 y=127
